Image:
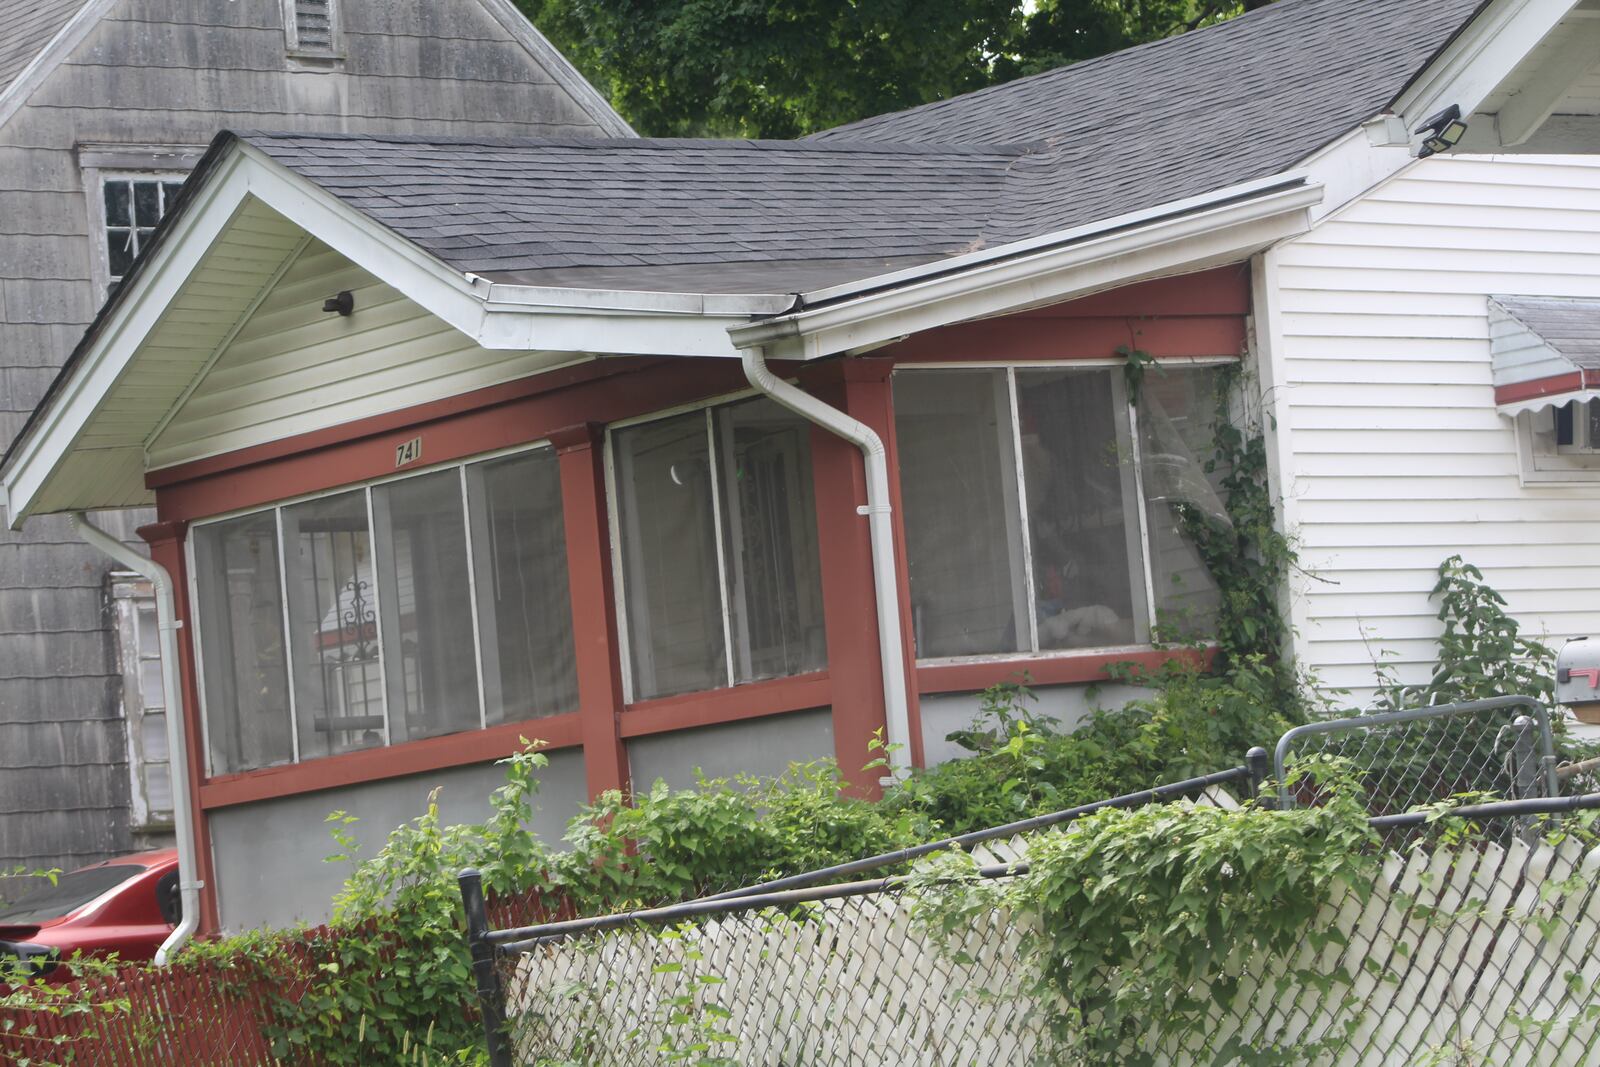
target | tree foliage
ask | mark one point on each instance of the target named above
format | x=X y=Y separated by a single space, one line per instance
x=781 y=68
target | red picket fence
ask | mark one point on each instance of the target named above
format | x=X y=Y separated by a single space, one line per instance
x=198 y=1013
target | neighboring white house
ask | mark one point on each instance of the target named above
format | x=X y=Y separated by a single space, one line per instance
x=1423 y=349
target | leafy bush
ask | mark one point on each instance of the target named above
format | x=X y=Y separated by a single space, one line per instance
x=1136 y=915
x=1192 y=723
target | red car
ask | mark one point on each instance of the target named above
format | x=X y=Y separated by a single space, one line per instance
x=126 y=906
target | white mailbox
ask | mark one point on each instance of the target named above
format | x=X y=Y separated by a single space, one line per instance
x=1578 y=678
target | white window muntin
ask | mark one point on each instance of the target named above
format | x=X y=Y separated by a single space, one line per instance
x=277 y=509
x=1128 y=430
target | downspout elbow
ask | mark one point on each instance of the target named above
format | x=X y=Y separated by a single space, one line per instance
x=167 y=624
x=886 y=588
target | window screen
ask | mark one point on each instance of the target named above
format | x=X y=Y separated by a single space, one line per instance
x=770 y=540
x=669 y=557
x=1056 y=555
x=520 y=560
x=1083 y=534
x=394 y=601
x=426 y=605
x=333 y=625
x=1177 y=422
x=958 y=486
x=243 y=664
x=703 y=613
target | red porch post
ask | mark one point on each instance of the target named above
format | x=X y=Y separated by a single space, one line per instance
x=166 y=541
x=859 y=387
x=581 y=454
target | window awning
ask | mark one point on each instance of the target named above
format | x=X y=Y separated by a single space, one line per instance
x=1546 y=351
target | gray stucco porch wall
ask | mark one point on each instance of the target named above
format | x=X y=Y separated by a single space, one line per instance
x=268 y=856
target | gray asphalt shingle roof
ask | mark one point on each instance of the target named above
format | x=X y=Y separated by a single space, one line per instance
x=1242 y=100
x=1570 y=326
x=29 y=26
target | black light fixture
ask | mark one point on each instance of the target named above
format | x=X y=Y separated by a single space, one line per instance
x=344 y=303
x=1442 y=132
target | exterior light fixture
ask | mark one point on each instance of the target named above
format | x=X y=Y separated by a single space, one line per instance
x=344 y=303
x=1442 y=132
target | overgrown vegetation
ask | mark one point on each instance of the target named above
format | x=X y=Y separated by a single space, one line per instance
x=1135 y=920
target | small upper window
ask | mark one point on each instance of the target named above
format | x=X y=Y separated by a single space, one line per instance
x=311 y=28
x=133 y=204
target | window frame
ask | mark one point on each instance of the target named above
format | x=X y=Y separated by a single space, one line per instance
x=276 y=509
x=1542 y=461
x=707 y=407
x=100 y=163
x=130 y=595
x=292 y=46
x=1126 y=415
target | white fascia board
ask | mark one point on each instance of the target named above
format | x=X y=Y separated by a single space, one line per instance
x=1087 y=264
x=1478 y=60
x=439 y=289
x=1350 y=167
x=97 y=370
x=594 y=331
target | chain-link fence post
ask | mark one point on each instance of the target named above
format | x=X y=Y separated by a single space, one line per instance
x=1257 y=763
x=491 y=994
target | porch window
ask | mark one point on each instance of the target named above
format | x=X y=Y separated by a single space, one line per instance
x=717 y=547
x=424 y=605
x=1044 y=511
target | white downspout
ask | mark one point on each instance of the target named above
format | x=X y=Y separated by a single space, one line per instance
x=183 y=824
x=891 y=651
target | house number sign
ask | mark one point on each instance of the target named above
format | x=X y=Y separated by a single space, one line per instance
x=409 y=452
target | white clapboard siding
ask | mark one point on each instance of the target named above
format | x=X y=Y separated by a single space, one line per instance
x=293 y=368
x=1397 y=456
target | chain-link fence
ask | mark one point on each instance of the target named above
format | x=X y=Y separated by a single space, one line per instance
x=1477 y=941
x=1503 y=746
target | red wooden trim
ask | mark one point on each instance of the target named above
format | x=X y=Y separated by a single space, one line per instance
x=593 y=606
x=1014 y=339
x=1558 y=383
x=342 y=456
x=1218 y=291
x=394 y=761
x=166 y=541
x=776 y=696
x=849 y=610
x=869 y=397
x=1060 y=669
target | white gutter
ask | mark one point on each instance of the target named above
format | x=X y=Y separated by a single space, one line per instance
x=886 y=588
x=183 y=823
x=1235 y=222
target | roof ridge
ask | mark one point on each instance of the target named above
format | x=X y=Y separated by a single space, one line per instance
x=854 y=146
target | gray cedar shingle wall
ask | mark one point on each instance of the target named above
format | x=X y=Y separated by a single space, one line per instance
x=171 y=72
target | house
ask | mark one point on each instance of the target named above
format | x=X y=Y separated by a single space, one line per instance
x=697 y=454
x=105 y=105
